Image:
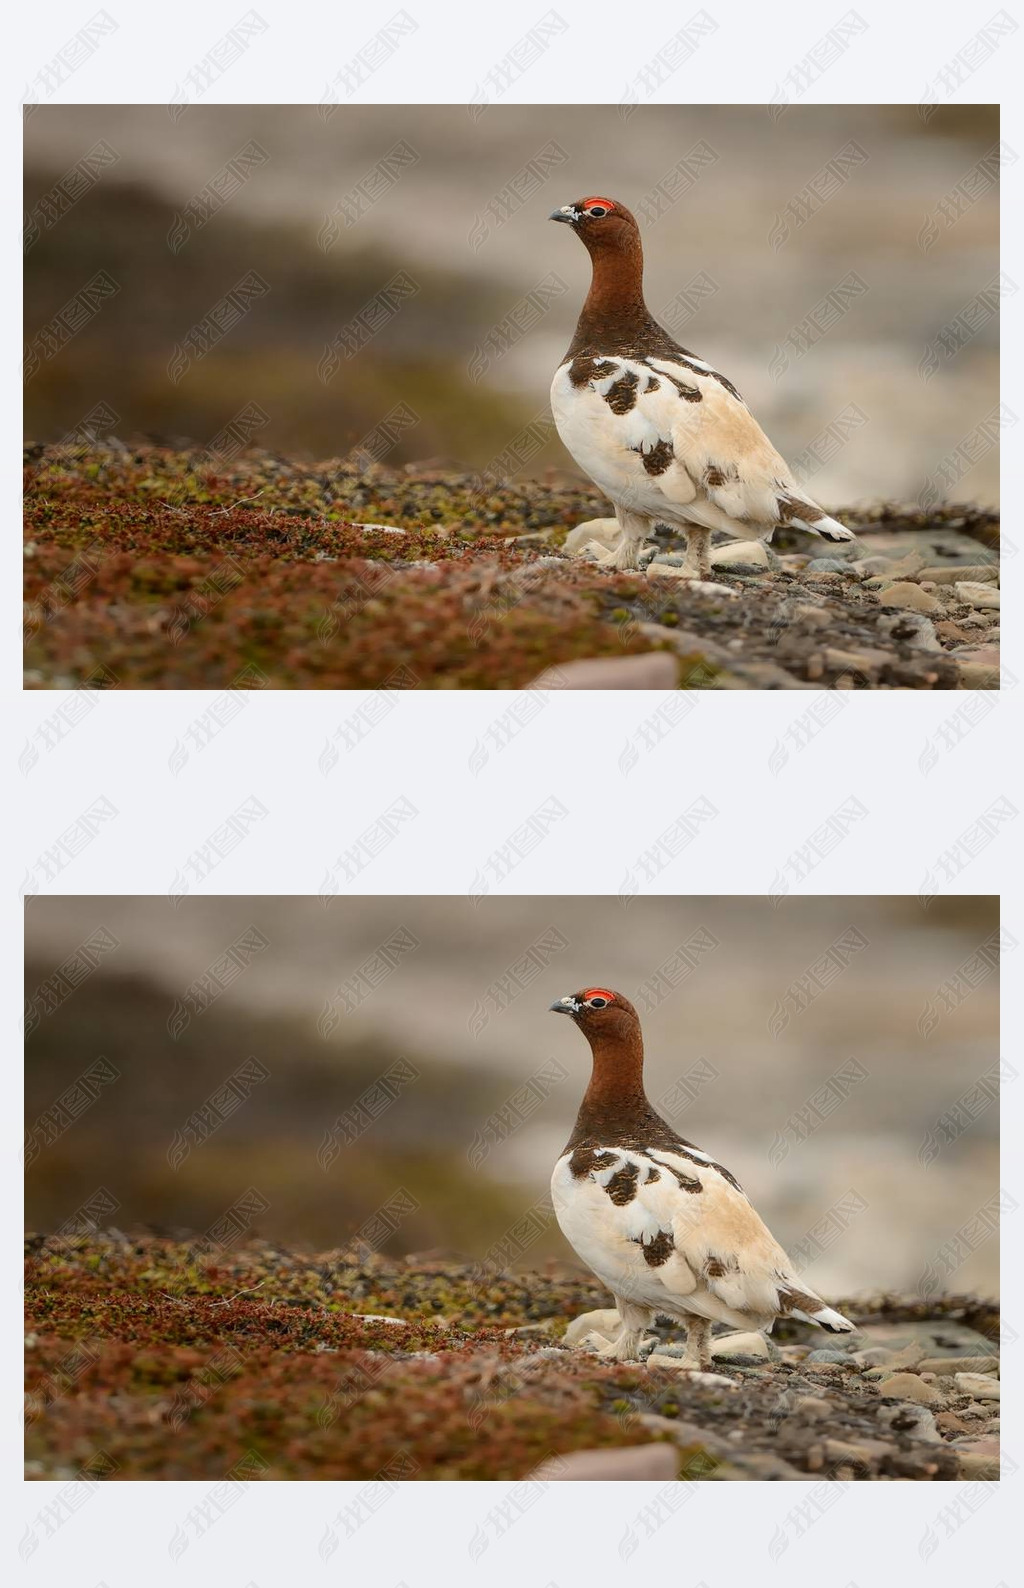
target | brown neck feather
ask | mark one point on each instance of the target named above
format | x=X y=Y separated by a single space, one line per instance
x=614 y=315
x=615 y=1105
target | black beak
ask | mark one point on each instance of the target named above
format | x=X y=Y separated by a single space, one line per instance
x=570 y=217
x=560 y=1007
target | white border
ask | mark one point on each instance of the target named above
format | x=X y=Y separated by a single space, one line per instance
x=720 y=751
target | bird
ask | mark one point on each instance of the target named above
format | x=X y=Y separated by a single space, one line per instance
x=663 y=1225
x=666 y=436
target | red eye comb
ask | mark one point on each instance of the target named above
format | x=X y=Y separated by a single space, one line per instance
x=606 y=202
x=599 y=992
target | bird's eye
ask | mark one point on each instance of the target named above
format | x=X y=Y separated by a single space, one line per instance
x=598 y=1003
x=597 y=211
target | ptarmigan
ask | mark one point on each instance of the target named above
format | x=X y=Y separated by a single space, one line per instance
x=664 y=435
x=666 y=1228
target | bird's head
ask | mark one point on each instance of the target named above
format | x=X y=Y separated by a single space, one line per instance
x=600 y=223
x=599 y=1012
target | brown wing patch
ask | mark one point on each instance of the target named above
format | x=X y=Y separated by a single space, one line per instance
x=585 y=1160
x=659 y=1249
x=658 y=458
x=621 y=394
x=689 y=394
x=622 y=1185
x=680 y=1150
x=585 y=367
x=687 y=1182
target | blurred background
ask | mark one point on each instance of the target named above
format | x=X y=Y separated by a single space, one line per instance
x=329 y=264
x=839 y=1055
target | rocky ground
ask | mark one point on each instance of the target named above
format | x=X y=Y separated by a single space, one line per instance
x=160 y=567
x=153 y=1358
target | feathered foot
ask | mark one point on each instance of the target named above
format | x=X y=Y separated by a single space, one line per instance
x=626 y=1345
x=698 y=553
x=697 y=1357
x=626 y=555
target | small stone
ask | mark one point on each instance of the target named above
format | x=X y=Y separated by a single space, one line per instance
x=605 y=531
x=977 y=1467
x=874 y=1356
x=978 y=595
x=813 y=617
x=655 y=670
x=861 y=1452
x=980 y=572
x=814 y=1407
x=827 y=565
x=861 y=661
x=924 y=1424
x=959 y=1364
x=908 y=1387
x=910 y=597
x=765 y=1467
x=740 y=553
x=980 y=1385
x=752 y=1344
x=950 y=1423
x=908 y=566
x=974 y=675
x=694 y=1375
x=914 y=1422
x=871 y=567
x=976 y=1412
x=825 y=1355
x=910 y=628
x=980 y=655
x=709 y=1380
x=908 y=1356
x=648 y=1463
x=605 y=1322
x=663 y=570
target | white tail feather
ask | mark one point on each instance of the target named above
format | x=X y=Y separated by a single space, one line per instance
x=826 y=528
x=827 y=1318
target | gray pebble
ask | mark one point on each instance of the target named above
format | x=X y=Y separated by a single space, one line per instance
x=910 y=628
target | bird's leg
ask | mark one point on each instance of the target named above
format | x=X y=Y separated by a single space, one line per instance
x=627 y=553
x=698 y=552
x=698 y=1344
x=625 y=1346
